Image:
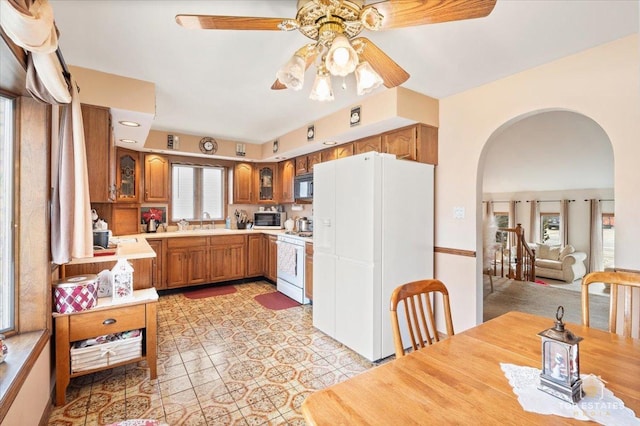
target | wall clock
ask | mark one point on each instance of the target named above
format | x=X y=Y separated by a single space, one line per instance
x=208 y=145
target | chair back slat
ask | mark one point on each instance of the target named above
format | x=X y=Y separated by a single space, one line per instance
x=419 y=313
x=621 y=283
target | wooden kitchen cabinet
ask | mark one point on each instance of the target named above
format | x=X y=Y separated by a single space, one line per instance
x=301 y=165
x=256 y=251
x=106 y=318
x=228 y=255
x=243 y=183
x=125 y=219
x=287 y=171
x=371 y=143
x=157 y=263
x=142 y=271
x=418 y=142
x=340 y=151
x=271 y=270
x=156 y=179
x=127 y=176
x=308 y=270
x=100 y=151
x=267 y=180
x=187 y=261
x=313 y=159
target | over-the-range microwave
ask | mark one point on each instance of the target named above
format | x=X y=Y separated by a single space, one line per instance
x=269 y=220
x=303 y=187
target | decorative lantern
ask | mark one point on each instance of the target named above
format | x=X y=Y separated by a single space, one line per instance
x=560 y=375
x=122 y=280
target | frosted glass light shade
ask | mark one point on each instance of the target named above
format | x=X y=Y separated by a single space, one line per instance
x=321 y=90
x=292 y=73
x=367 y=79
x=342 y=58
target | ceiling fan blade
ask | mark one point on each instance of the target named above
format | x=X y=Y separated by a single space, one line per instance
x=392 y=74
x=407 y=13
x=212 y=22
x=310 y=52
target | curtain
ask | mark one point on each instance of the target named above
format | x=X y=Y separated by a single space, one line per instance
x=512 y=222
x=30 y=25
x=489 y=208
x=564 y=222
x=595 y=237
x=534 y=222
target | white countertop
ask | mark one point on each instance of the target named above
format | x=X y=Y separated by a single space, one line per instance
x=137 y=247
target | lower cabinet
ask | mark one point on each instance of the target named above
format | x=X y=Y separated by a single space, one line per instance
x=256 y=250
x=228 y=256
x=142 y=271
x=157 y=263
x=187 y=261
x=308 y=270
x=271 y=269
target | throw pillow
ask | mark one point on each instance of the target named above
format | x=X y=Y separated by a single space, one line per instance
x=543 y=251
x=554 y=253
x=565 y=251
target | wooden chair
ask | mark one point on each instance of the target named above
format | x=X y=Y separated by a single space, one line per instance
x=422 y=328
x=628 y=281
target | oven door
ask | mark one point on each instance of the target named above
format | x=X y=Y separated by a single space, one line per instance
x=291 y=263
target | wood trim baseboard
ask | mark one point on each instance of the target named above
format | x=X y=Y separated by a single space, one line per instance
x=455 y=252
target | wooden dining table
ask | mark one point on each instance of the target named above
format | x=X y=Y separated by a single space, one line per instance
x=459 y=380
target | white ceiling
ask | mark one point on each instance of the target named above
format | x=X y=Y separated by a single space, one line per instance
x=217 y=83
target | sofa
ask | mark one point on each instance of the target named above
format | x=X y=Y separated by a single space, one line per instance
x=559 y=263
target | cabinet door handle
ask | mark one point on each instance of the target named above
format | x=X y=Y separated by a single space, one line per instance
x=109 y=321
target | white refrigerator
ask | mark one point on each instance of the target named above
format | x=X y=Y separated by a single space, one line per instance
x=373 y=231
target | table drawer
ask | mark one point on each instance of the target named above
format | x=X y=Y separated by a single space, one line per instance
x=84 y=326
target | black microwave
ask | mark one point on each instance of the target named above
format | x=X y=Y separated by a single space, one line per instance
x=269 y=220
x=303 y=187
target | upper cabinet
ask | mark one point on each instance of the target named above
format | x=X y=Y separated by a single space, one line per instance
x=301 y=165
x=156 y=179
x=287 y=170
x=267 y=180
x=243 y=183
x=417 y=143
x=340 y=151
x=127 y=176
x=372 y=143
x=100 y=152
x=313 y=159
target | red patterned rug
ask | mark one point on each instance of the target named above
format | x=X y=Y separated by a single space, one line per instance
x=201 y=293
x=275 y=301
x=541 y=282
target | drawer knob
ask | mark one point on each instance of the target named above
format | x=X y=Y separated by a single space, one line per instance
x=109 y=321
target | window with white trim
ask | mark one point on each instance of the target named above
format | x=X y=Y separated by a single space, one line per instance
x=7 y=234
x=196 y=190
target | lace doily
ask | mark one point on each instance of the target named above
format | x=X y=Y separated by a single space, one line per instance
x=599 y=404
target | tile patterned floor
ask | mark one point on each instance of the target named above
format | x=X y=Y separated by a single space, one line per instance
x=223 y=360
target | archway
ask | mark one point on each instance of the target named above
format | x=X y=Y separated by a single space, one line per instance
x=546 y=155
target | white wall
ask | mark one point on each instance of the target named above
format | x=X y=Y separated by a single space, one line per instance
x=602 y=84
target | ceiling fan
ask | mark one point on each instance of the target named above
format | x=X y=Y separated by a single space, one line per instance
x=334 y=26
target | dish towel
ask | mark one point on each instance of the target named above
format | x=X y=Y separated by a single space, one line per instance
x=287 y=259
x=599 y=404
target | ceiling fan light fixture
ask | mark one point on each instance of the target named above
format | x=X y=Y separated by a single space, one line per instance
x=367 y=79
x=342 y=58
x=292 y=73
x=321 y=90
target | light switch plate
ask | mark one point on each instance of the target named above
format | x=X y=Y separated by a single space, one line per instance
x=458 y=212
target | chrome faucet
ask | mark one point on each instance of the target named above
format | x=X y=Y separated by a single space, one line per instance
x=205 y=215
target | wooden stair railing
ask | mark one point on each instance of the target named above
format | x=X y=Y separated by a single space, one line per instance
x=518 y=264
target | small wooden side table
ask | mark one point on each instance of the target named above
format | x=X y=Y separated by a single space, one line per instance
x=108 y=316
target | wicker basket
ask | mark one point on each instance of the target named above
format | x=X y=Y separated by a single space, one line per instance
x=105 y=354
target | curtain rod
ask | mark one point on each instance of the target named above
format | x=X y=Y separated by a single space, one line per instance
x=505 y=201
x=550 y=201
x=586 y=199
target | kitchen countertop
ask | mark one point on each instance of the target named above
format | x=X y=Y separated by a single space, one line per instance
x=136 y=246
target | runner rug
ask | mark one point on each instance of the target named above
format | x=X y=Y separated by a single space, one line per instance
x=275 y=301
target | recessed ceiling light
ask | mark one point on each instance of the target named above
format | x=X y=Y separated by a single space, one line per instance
x=330 y=143
x=281 y=158
x=129 y=123
x=128 y=141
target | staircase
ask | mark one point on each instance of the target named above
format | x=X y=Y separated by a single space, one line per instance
x=513 y=259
